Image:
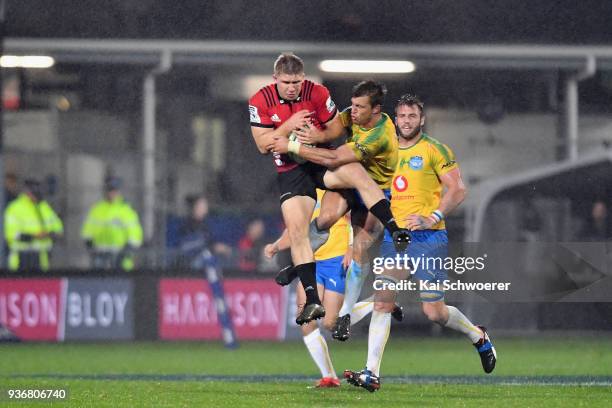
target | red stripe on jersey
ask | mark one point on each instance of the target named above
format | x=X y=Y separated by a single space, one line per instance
x=270 y=94
x=307 y=90
x=266 y=96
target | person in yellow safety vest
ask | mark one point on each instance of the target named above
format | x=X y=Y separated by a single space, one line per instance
x=30 y=227
x=112 y=230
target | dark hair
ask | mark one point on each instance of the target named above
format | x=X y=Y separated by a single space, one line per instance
x=112 y=183
x=191 y=199
x=375 y=90
x=410 y=100
x=288 y=63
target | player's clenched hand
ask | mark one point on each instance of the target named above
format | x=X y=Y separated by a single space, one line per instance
x=309 y=135
x=418 y=222
x=348 y=257
x=298 y=119
x=270 y=250
x=281 y=145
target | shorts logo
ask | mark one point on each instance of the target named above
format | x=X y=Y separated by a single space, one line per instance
x=416 y=163
x=330 y=105
x=254 y=114
x=333 y=281
x=400 y=183
x=275 y=118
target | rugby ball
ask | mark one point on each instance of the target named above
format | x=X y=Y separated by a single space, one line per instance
x=296 y=158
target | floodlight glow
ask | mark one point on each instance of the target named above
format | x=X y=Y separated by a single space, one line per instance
x=367 y=66
x=26 y=61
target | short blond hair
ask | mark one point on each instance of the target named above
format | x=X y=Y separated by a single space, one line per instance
x=288 y=63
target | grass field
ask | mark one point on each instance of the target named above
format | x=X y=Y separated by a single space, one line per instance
x=551 y=372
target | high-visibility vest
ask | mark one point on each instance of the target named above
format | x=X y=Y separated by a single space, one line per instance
x=111 y=225
x=24 y=216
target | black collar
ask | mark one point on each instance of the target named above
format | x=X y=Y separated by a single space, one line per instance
x=281 y=100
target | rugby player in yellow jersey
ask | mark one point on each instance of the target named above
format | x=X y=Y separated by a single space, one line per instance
x=425 y=168
x=332 y=260
x=372 y=142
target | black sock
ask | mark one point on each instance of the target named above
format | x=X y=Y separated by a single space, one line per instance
x=307 y=273
x=382 y=211
x=287 y=272
x=283 y=258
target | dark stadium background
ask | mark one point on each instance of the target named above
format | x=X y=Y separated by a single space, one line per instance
x=496 y=78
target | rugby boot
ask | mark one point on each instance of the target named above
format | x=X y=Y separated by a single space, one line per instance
x=328 y=382
x=286 y=275
x=363 y=378
x=311 y=311
x=488 y=355
x=342 y=328
x=401 y=239
x=398 y=313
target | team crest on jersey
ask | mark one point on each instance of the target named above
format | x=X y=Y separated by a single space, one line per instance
x=416 y=163
x=254 y=114
x=330 y=105
x=400 y=183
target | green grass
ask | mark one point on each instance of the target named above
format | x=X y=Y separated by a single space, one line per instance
x=60 y=365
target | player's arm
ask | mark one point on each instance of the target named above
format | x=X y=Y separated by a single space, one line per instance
x=283 y=242
x=334 y=122
x=348 y=255
x=325 y=157
x=312 y=135
x=453 y=195
x=330 y=158
x=264 y=136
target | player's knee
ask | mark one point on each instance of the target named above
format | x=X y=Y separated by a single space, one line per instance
x=373 y=229
x=384 y=307
x=326 y=220
x=329 y=322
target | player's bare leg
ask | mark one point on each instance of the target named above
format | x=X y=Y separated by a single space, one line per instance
x=366 y=229
x=380 y=327
x=333 y=207
x=353 y=175
x=451 y=317
x=314 y=341
x=297 y=212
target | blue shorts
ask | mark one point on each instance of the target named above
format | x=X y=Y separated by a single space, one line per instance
x=427 y=251
x=331 y=274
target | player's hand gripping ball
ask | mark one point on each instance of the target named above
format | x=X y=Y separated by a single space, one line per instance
x=296 y=158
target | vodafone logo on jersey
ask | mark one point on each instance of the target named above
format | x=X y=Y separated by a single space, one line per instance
x=400 y=183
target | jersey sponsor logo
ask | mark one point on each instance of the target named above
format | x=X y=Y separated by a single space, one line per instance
x=416 y=163
x=400 y=183
x=362 y=149
x=330 y=105
x=450 y=163
x=275 y=118
x=254 y=114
